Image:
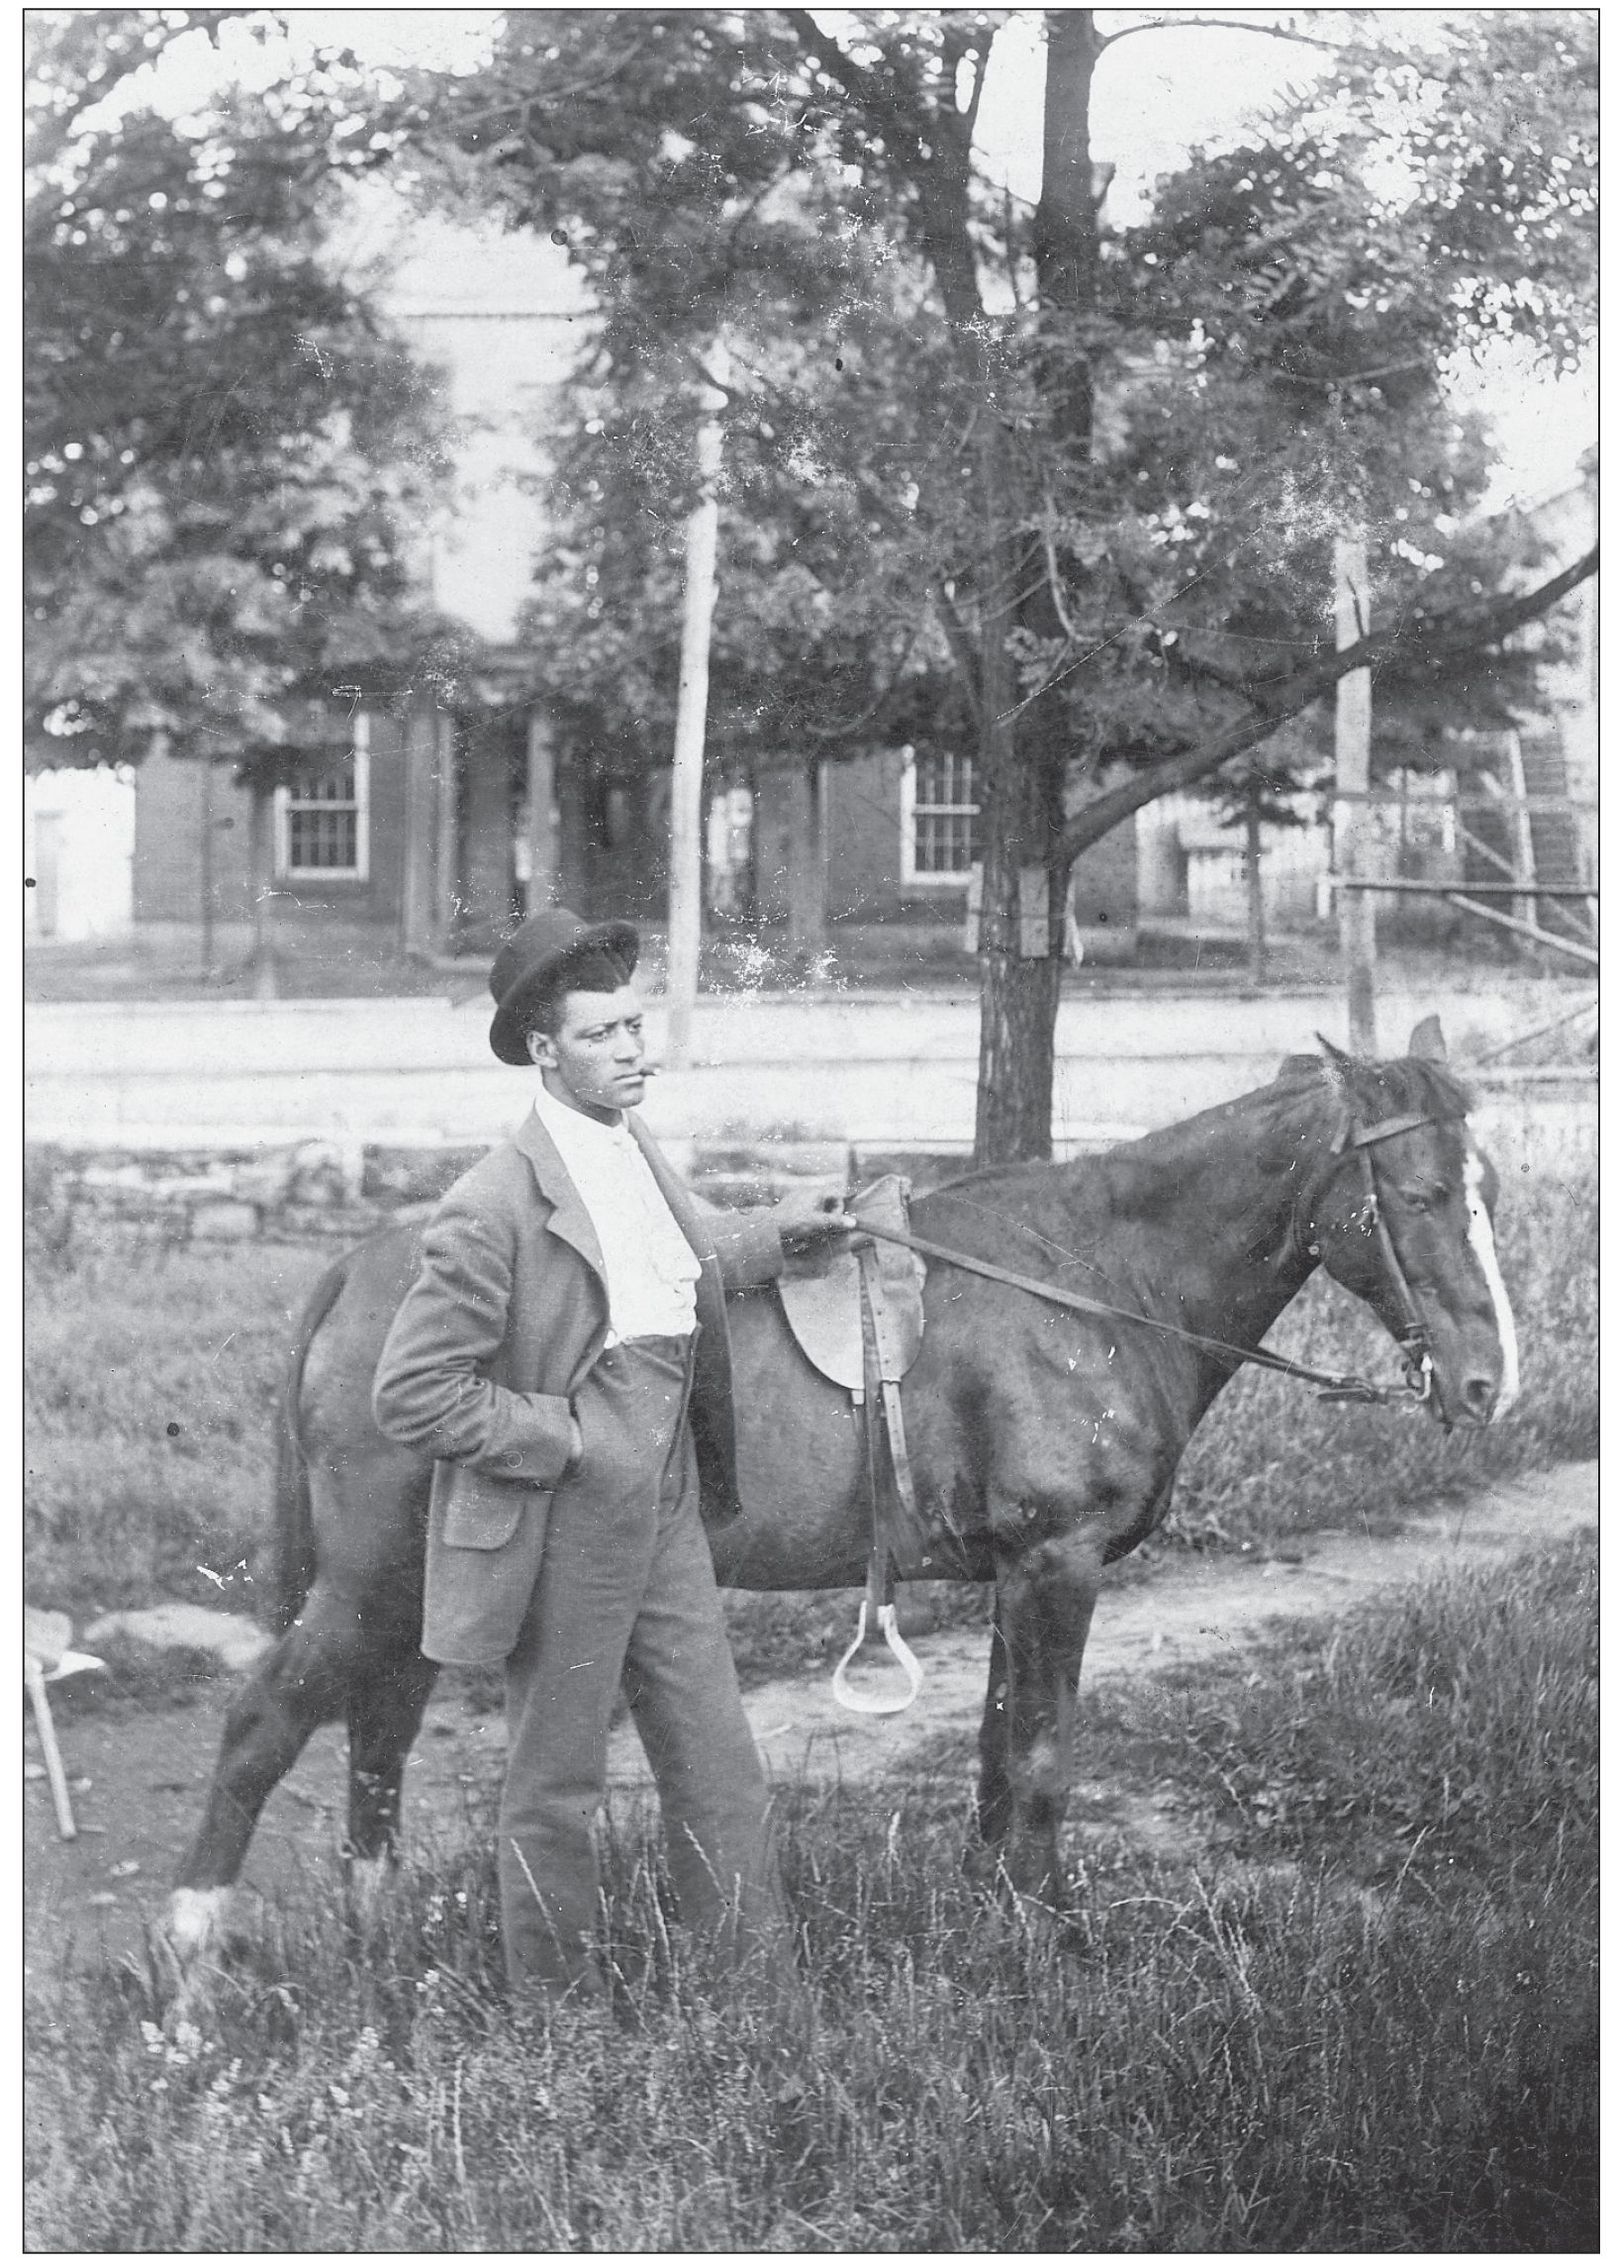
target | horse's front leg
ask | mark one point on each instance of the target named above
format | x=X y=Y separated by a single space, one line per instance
x=1045 y=1599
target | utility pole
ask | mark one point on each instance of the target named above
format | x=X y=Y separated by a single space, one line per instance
x=1353 y=814
x=689 y=739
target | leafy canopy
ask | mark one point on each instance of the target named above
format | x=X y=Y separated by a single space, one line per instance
x=226 y=451
x=1265 y=355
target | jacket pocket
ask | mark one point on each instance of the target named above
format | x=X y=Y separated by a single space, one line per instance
x=481 y=1513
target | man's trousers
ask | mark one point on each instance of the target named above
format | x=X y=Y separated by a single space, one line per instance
x=626 y=1597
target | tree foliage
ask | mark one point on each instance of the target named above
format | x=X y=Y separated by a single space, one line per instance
x=1263 y=353
x=1067 y=490
x=226 y=451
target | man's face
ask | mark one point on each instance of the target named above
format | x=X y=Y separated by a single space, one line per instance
x=595 y=1059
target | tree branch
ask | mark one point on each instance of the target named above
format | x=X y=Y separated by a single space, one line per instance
x=1274 y=704
x=964 y=655
x=1226 y=23
x=864 y=86
x=972 y=107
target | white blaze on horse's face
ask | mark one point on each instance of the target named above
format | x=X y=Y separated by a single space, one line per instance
x=1483 y=1244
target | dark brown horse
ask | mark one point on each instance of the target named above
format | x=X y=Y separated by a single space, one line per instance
x=1044 y=1442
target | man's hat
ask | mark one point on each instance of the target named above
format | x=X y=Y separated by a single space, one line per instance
x=540 y=950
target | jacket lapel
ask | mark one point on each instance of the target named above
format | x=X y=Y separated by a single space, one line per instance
x=569 y=1217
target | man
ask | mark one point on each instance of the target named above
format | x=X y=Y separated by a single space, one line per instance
x=546 y=1354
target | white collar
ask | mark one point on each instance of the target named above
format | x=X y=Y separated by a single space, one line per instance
x=574 y=1128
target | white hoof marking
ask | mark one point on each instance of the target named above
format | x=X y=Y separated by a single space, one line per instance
x=196 y=1918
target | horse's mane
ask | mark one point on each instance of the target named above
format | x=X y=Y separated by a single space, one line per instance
x=1411 y=1085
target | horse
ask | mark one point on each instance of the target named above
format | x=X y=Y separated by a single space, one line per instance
x=1044 y=1440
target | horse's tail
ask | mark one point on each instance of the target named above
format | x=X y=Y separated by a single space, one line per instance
x=294 y=1502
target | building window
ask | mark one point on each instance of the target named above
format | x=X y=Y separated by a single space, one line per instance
x=940 y=819
x=323 y=818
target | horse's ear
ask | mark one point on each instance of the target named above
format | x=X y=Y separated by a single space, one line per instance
x=1334 y=1054
x=1299 y=1065
x=1428 y=1041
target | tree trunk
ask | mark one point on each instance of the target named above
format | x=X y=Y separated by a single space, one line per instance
x=265 y=958
x=1255 y=908
x=1024 y=876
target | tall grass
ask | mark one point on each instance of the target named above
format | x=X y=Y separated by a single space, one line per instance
x=150 y=1382
x=1213 y=2055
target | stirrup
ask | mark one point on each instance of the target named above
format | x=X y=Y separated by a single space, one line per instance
x=858 y=1703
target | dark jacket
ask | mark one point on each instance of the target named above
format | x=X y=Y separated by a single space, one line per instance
x=505 y=1318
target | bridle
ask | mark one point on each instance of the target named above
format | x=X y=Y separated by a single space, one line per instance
x=1407 y=1327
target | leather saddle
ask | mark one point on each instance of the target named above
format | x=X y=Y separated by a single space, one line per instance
x=826 y=1310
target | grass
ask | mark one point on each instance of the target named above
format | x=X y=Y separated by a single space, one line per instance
x=151 y=1380
x=1239 y=2049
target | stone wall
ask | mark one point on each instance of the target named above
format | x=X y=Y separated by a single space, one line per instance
x=318 y=1188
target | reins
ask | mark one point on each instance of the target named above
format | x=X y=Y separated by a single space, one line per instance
x=1334 y=1385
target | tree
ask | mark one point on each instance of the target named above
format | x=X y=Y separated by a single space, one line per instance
x=226 y=450
x=1106 y=468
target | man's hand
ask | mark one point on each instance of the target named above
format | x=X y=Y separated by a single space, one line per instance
x=809 y=1223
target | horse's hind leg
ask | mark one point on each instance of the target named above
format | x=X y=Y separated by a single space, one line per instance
x=304 y=1682
x=384 y=1710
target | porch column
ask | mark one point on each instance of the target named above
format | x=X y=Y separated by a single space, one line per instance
x=543 y=846
x=445 y=863
x=804 y=857
x=418 y=916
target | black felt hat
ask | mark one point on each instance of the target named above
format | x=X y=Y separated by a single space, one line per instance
x=538 y=952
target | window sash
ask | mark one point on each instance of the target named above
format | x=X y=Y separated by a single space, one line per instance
x=940 y=817
x=322 y=824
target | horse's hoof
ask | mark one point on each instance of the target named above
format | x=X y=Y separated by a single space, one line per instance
x=198 y=1921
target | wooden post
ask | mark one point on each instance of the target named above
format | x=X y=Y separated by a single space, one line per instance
x=208 y=824
x=543 y=856
x=1254 y=902
x=265 y=959
x=689 y=739
x=1525 y=908
x=1353 y=816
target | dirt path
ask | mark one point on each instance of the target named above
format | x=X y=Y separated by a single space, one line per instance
x=139 y=1778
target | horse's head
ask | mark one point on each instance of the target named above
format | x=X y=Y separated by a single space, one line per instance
x=1399 y=1211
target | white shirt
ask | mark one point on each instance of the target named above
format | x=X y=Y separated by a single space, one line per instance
x=650 y=1270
